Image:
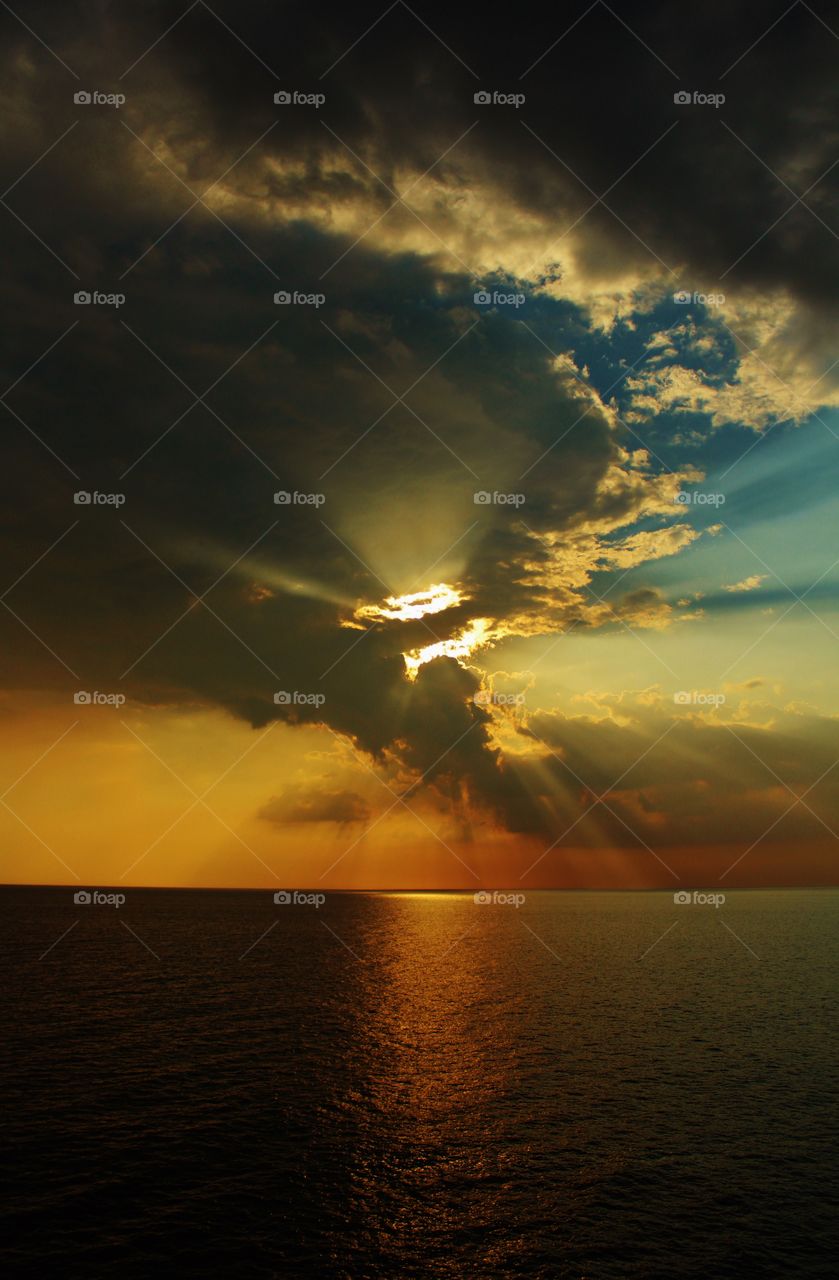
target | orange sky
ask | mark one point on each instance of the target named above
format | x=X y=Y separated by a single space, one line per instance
x=101 y=807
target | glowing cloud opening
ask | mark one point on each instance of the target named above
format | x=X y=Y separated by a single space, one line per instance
x=460 y=646
x=405 y=608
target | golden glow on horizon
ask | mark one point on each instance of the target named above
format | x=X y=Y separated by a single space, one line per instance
x=106 y=799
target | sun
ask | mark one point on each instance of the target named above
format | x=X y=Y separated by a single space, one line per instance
x=421 y=604
x=460 y=646
x=405 y=608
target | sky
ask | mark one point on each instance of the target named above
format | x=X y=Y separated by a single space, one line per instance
x=457 y=402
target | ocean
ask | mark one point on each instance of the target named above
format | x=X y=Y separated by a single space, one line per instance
x=582 y=1085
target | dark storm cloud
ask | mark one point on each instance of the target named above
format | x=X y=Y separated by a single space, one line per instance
x=341 y=807
x=599 y=98
x=675 y=781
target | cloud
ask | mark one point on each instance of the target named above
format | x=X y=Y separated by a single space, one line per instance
x=341 y=807
x=697 y=777
x=399 y=397
x=752 y=583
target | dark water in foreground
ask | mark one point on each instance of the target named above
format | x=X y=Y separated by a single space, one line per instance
x=410 y=1086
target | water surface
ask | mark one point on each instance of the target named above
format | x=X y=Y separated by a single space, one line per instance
x=586 y=1085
